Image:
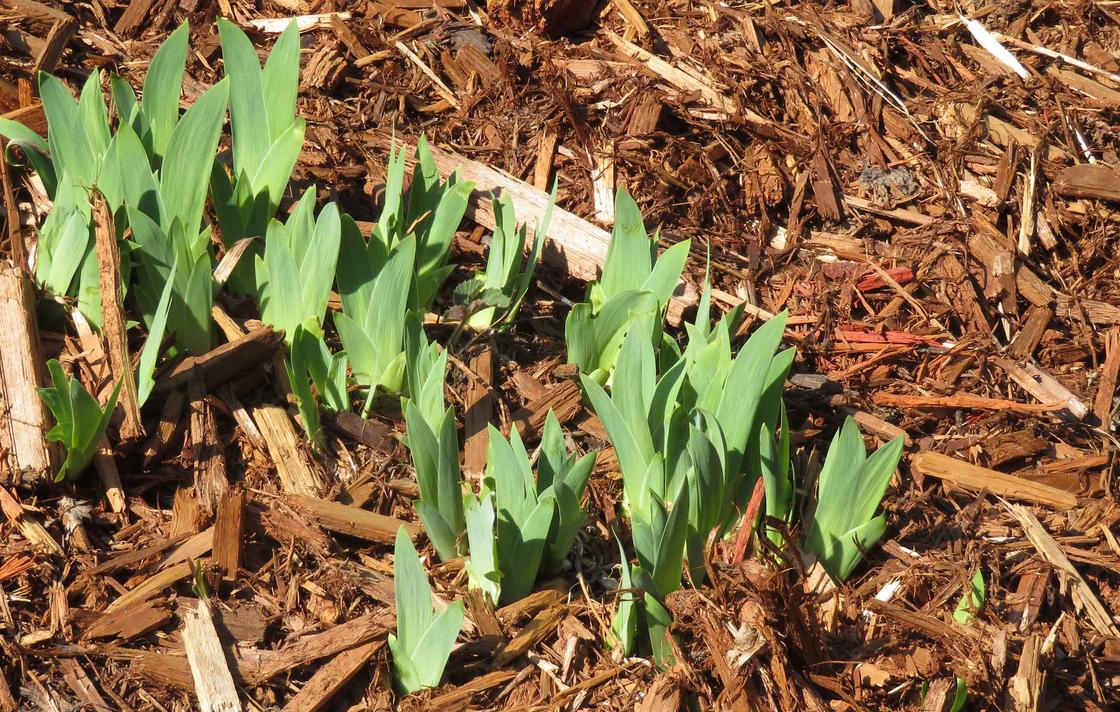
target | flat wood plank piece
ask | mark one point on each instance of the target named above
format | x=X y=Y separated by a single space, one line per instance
x=478 y=413
x=24 y=418
x=229 y=525
x=213 y=682
x=367 y=431
x=30 y=116
x=152 y=585
x=317 y=692
x=1089 y=180
x=1083 y=596
x=978 y=479
x=225 y=362
x=114 y=327
x=296 y=474
x=126 y=623
x=540 y=627
x=1029 y=336
x=352 y=521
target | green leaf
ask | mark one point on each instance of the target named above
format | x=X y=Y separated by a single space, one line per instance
x=163 y=86
x=482 y=566
x=151 y=349
x=972 y=600
x=185 y=176
x=69 y=146
x=249 y=120
x=79 y=421
x=280 y=81
x=412 y=593
x=437 y=643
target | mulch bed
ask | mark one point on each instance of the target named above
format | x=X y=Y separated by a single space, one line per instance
x=942 y=231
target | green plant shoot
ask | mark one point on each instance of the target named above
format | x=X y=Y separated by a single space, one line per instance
x=79 y=421
x=423 y=641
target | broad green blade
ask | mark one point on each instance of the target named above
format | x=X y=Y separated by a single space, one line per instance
x=185 y=176
x=162 y=87
x=280 y=81
x=413 y=594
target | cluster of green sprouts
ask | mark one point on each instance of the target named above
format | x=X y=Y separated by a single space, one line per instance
x=695 y=425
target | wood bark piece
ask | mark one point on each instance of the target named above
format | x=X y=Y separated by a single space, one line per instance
x=564 y=399
x=540 y=627
x=361 y=630
x=24 y=418
x=367 y=431
x=297 y=476
x=332 y=677
x=126 y=623
x=1042 y=386
x=28 y=523
x=962 y=400
x=978 y=479
x=210 y=480
x=225 y=362
x=1089 y=180
x=478 y=413
x=59 y=36
x=213 y=682
x=1025 y=688
x=152 y=585
x=17 y=250
x=572 y=244
x=114 y=326
x=1029 y=336
x=229 y=524
x=1083 y=596
x=1106 y=386
x=352 y=521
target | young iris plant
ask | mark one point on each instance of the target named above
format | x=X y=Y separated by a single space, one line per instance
x=849 y=489
x=267 y=138
x=494 y=296
x=433 y=213
x=424 y=639
x=79 y=421
x=635 y=289
x=536 y=519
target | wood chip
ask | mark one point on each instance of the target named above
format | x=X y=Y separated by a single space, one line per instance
x=980 y=479
x=213 y=682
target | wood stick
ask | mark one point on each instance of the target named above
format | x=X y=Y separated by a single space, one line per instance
x=296 y=474
x=225 y=362
x=113 y=318
x=24 y=418
x=1106 y=386
x=213 y=682
x=979 y=479
x=962 y=400
x=1043 y=386
x=437 y=83
x=352 y=521
x=317 y=692
x=479 y=409
x=229 y=525
x=1083 y=596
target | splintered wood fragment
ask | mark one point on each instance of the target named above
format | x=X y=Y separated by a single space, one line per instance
x=169 y=424
x=465 y=692
x=213 y=682
x=317 y=692
x=540 y=627
x=187 y=515
x=133 y=17
x=546 y=152
x=7 y=701
x=1029 y=336
x=876 y=425
x=367 y=431
x=229 y=524
x=965 y=401
x=482 y=613
x=78 y=681
x=113 y=319
x=978 y=479
x=28 y=524
x=59 y=36
x=1042 y=386
x=297 y=476
x=343 y=32
x=573 y=245
x=602 y=183
x=633 y=16
x=986 y=250
x=24 y=419
x=437 y=83
x=1106 y=384
x=276 y=25
x=352 y=521
x=1083 y=596
x=1025 y=686
x=682 y=80
x=129 y=622
x=153 y=585
x=210 y=480
x=564 y=400
x=30 y=116
x=477 y=414
x=359 y=631
x=225 y=362
x=1089 y=180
